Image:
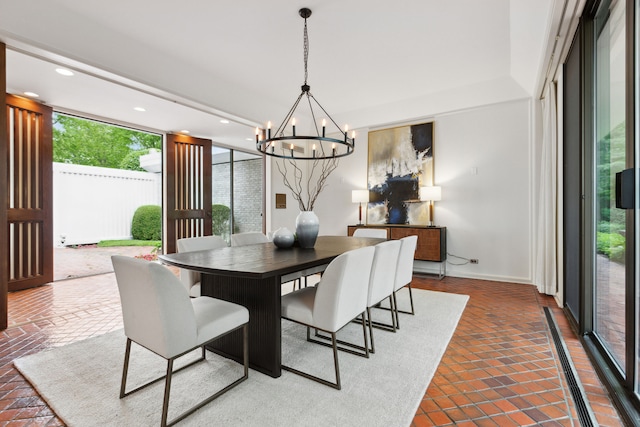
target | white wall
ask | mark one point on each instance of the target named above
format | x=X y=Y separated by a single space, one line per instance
x=92 y=204
x=487 y=215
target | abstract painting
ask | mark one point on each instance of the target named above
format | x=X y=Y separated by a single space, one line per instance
x=400 y=162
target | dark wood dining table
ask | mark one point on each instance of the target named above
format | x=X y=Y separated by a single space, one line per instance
x=252 y=276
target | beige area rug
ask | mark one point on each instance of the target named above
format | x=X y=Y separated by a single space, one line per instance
x=81 y=381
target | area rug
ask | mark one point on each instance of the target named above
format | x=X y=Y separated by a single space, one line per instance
x=81 y=381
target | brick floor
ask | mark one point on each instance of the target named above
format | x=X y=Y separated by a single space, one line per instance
x=500 y=368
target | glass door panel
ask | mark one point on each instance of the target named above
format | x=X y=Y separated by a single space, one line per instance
x=221 y=192
x=610 y=158
x=247 y=192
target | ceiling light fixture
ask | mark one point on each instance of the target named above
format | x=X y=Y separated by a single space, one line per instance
x=32 y=94
x=64 y=72
x=139 y=109
x=305 y=147
x=224 y=121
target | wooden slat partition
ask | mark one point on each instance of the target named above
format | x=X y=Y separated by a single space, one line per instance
x=4 y=162
x=188 y=197
x=29 y=193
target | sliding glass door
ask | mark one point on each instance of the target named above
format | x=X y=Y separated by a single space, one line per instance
x=238 y=195
x=601 y=129
x=610 y=158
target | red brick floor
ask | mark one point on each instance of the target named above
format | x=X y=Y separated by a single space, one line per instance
x=500 y=368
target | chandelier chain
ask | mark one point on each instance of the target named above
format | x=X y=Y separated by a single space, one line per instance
x=306 y=51
x=317 y=145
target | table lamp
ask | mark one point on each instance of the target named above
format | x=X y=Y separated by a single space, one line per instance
x=360 y=197
x=431 y=194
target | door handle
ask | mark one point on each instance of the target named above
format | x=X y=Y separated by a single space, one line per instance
x=625 y=189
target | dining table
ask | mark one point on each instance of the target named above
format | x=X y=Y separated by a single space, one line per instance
x=252 y=276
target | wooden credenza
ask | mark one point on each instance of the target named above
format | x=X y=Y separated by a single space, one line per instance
x=432 y=241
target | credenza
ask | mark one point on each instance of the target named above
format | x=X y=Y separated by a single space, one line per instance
x=432 y=241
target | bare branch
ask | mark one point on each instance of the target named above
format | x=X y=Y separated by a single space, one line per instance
x=322 y=167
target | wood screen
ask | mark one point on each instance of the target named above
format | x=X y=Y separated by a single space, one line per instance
x=29 y=193
x=4 y=160
x=188 y=197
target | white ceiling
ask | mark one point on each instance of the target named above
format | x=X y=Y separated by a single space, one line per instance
x=192 y=62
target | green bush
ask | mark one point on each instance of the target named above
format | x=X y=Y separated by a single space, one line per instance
x=132 y=160
x=147 y=223
x=612 y=245
x=617 y=254
x=220 y=215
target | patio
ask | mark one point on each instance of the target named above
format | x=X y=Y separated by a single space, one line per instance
x=89 y=260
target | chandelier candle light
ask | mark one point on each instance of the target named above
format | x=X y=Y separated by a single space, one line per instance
x=316 y=146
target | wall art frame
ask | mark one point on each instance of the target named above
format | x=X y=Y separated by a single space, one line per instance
x=399 y=162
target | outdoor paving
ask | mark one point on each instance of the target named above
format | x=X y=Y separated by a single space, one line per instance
x=88 y=260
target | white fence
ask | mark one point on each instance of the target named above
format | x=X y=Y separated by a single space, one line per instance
x=92 y=204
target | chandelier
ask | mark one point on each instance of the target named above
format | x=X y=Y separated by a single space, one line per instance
x=306 y=147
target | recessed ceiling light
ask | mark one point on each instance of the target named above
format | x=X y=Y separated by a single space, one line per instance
x=249 y=139
x=184 y=131
x=64 y=72
x=225 y=121
x=32 y=94
x=139 y=109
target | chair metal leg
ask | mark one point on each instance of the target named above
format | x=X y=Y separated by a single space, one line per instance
x=125 y=369
x=395 y=310
x=169 y=374
x=245 y=343
x=334 y=344
x=245 y=348
x=363 y=350
x=392 y=309
x=412 y=312
x=167 y=393
x=369 y=321
x=364 y=333
x=335 y=360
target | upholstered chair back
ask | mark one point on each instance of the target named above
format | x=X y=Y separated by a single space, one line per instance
x=342 y=292
x=202 y=243
x=380 y=233
x=156 y=309
x=249 y=238
x=191 y=279
x=404 y=273
x=383 y=271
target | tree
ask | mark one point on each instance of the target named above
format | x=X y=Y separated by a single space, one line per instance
x=132 y=160
x=87 y=142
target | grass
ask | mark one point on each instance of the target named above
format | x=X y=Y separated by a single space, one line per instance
x=111 y=243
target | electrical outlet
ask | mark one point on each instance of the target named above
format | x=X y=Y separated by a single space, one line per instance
x=473 y=261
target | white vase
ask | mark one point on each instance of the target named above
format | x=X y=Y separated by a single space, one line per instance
x=307 y=226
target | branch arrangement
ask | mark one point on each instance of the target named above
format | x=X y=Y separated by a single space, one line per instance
x=306 y=193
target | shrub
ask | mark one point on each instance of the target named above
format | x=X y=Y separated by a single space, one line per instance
x=220 y=217
x=132 y=160
x=147 y=223
x=612 y=245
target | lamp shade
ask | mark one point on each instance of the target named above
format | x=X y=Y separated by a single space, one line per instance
x=432 y=193
x=360 y=196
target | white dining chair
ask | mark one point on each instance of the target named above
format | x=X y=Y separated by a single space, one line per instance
x=380 y=233
x=248 y=238
x=191 y=278
x=381 y=287
x=159 y=315
x=340 y=297
x=404 y=273
x=382 y=281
